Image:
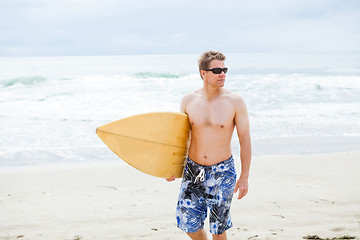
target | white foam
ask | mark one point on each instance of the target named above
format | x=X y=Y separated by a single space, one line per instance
x=79 y=94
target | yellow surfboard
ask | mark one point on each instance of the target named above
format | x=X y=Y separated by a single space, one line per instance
x=154 y=143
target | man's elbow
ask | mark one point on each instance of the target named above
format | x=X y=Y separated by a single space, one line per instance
x=245 y=140
x=245 y=144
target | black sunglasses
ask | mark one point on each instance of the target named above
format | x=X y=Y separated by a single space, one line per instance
x=217 y=70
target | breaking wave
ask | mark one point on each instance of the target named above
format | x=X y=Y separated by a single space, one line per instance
x=30 y=80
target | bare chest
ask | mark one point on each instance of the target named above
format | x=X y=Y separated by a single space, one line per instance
x=217 y=114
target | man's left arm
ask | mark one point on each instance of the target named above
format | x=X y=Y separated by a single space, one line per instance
x=243 y=131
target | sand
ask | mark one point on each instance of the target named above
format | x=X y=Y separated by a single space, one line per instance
x=289 y=197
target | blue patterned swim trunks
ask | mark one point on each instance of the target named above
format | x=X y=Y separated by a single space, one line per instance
x=206 y=187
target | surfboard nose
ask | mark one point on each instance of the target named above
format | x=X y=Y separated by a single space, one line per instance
x=154 y=143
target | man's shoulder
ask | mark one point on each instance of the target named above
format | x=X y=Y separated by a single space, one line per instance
x=191 y=95
x=187 y=99
x=234 y=98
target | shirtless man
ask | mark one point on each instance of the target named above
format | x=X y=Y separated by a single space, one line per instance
x=209 y=179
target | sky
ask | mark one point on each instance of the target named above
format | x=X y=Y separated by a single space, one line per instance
x=117 y=27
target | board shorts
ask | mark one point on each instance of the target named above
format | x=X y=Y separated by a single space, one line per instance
x=206 y=187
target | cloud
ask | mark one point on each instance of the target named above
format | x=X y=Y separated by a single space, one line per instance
x=94 y=27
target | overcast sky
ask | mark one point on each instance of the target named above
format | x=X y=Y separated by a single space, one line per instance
x=115 y=27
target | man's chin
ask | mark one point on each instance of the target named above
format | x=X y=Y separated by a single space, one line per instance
x=221 y=83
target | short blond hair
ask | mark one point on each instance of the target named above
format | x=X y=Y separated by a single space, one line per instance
x=207 y=57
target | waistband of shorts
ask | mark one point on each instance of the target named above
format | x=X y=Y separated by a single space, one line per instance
x=229 y=160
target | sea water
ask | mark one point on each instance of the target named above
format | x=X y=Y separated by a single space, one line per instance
x=51 y=106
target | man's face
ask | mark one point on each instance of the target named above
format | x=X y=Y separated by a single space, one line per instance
x=212 y=78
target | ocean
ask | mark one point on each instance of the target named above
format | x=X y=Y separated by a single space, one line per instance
x=50 y=106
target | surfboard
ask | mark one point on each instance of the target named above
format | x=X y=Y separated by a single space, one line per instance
x=154 y=143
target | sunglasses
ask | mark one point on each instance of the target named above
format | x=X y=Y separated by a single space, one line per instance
x=217 y=70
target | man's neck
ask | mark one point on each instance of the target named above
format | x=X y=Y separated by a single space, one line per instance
x=211 y=92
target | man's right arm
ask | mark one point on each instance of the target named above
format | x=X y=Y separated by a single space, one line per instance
x=183 y=106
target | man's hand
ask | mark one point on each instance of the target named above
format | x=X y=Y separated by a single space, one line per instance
x=170 y=179
x=243 y=186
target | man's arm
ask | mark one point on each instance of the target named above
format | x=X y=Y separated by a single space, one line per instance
x=243 y=131
x=183 y=106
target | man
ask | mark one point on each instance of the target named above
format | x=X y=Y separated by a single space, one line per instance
x=209 y=179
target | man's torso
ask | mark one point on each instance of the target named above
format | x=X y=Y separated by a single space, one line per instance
x=212 y=126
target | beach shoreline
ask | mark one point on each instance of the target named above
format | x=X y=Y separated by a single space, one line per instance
x=290 y=197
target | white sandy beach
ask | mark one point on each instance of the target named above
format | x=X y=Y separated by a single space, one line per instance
x=290 y=197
